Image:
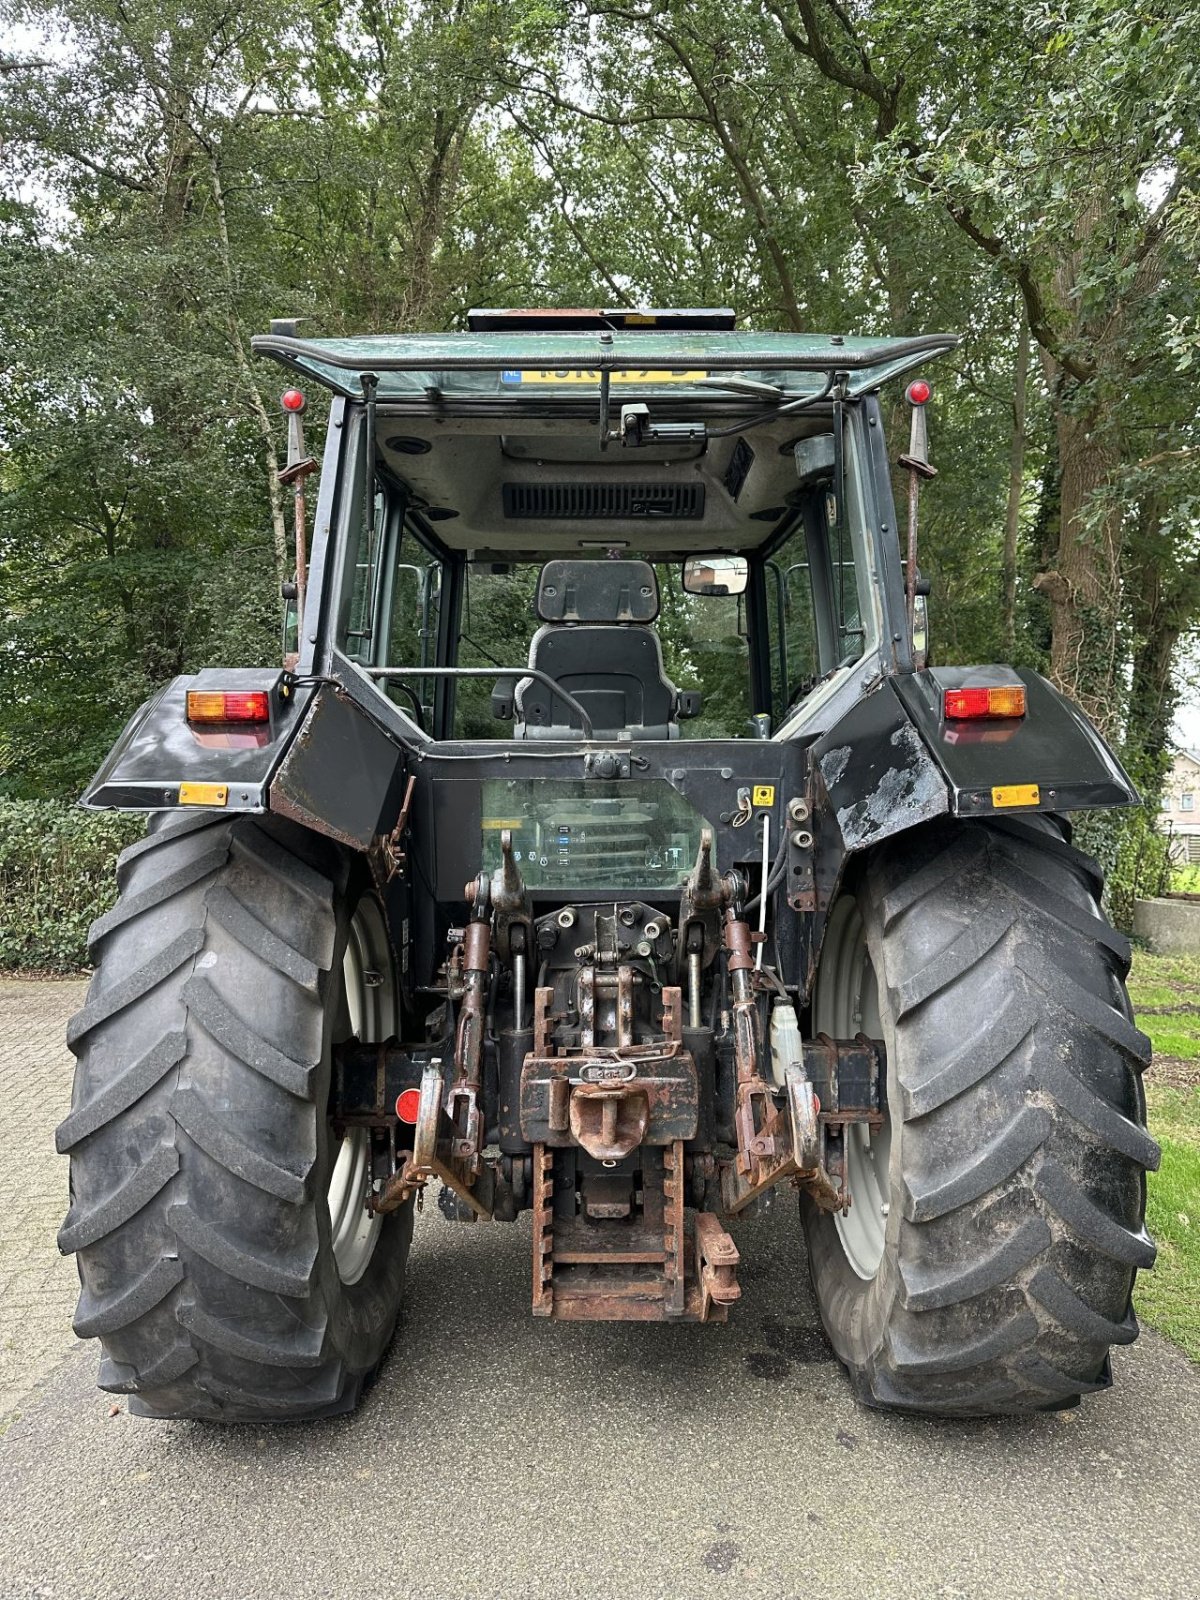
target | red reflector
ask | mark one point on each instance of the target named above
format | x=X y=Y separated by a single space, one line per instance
x=292 y=400
x=205 y=705
x=408 y=1103
x=918 y=391
x=1008 y=701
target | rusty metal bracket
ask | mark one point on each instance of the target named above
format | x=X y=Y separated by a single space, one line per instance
x=543 y=1231
x=661 y=1077
x=462 y=1104
x=394 y=856
x=717 y=1258
x=674 y=1239
x=792 y=1149
x=432 y=1155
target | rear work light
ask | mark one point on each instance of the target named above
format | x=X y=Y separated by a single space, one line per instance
x=1007 y=701
x=204 y=705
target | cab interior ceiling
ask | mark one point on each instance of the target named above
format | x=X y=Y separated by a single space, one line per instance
x=714 y=494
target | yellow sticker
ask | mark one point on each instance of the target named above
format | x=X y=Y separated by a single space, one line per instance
x=1017 y=794
x=203 y=794
x=504 y=822
x=764 y=794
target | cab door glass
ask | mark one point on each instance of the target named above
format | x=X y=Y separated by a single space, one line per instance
x=413 y=618
x=497 y=623
x=362 y=583
x=791 y=625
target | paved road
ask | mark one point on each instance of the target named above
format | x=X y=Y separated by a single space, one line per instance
x=502 y=1457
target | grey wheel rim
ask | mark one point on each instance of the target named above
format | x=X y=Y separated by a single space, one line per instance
x=845 y=1003
x=369 y=994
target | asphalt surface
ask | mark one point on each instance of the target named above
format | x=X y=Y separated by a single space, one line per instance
x=498 y=1456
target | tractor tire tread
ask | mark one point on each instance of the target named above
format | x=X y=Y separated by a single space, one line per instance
x=1019 y=1147
x=203 y=1249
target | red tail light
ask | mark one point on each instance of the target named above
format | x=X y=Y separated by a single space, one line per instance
x=1006 y=701
x=408 y=1104
x=205 y=705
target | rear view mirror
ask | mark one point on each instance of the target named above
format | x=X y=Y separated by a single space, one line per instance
x=716 y=575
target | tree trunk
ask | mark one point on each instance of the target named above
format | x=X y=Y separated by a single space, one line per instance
x=1084 y=587
x=1162 y=601
x=254 y=398
x=1016 y=478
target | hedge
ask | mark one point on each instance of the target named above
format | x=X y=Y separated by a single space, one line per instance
x=57 y=874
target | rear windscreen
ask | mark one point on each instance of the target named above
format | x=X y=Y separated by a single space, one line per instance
x=591 y=834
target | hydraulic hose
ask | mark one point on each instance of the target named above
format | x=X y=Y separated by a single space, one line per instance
x=774 y=877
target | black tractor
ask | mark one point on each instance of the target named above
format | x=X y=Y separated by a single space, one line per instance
x=605 y=848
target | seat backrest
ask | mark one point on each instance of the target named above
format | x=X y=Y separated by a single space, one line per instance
x=595 y=643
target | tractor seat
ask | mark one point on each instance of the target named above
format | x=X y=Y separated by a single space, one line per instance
x=595 y=640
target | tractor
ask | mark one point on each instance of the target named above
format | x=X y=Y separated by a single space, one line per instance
x=607 y=847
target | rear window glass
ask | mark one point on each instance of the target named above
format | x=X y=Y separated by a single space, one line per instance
x=591 y=834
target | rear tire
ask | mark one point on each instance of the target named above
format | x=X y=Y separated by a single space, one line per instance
x=1014 y=1179
x=201 y=1149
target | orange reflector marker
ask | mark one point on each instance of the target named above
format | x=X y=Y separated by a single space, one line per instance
x=1017 y=794
x=1006 y=701
x=408 y=1104
x=203 y=794
x=205 y=705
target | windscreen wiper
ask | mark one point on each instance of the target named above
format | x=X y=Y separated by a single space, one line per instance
x=750 y=386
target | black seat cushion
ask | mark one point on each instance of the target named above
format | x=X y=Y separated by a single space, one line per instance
x=616 y=674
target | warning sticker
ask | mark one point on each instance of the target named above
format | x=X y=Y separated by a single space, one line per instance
x=763 y=795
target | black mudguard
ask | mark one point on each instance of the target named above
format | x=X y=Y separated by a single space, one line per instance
x=895 y=760
x=159 y=754
x=320 y=761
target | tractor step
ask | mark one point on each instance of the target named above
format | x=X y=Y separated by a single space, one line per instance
x=668 y=1264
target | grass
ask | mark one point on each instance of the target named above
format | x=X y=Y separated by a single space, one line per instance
x=1175 y=1036
x=1168 y=1298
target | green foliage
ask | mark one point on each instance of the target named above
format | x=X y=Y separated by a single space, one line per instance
x=172 y=176
x=1132 y=854
x=1169 y=1297
x=57 y=874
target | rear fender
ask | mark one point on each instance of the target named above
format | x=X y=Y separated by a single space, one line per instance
x=160 y=758
x=894 y=761
x=320 y=761
x=990 y=767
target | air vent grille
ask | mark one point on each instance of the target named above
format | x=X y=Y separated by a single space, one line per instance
x=598 y=502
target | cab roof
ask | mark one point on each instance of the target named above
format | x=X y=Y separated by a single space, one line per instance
x=517 y=365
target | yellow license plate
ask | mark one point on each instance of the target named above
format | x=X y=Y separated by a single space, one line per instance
x=647 y=378
x=1017 y=794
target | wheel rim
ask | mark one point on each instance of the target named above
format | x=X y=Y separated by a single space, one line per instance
x=846 y=1002
x=369 y=1014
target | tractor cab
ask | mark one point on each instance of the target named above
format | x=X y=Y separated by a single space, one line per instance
x=684 y=530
